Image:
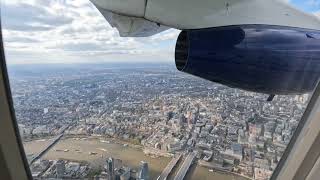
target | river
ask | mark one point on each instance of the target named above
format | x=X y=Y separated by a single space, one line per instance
x=130 y=156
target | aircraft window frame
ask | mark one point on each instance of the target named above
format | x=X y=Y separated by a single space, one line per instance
x=308 y=115
x=304 y=130
x=11 y=147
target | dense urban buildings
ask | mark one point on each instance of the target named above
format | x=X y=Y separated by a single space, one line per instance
x=163 y=112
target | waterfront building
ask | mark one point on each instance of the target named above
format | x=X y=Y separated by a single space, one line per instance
x=60 y=168
x=144 y=171
x=110 y=168
x=124 y=173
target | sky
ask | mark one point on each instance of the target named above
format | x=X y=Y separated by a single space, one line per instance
x=74 y=31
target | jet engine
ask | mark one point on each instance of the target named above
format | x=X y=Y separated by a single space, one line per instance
x=260 y=58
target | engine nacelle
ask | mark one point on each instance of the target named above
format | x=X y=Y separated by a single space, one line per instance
x=259 y=58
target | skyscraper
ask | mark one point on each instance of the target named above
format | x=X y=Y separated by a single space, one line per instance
x=124 y=173
x=60 y=168
x=144 y=171
x=110 y=168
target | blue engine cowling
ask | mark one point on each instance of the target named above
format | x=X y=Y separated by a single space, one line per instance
x=259 y=58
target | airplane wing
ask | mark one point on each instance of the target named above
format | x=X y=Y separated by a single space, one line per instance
x=128 y=17
x=140 y=18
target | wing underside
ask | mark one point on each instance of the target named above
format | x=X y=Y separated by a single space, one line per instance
x=139 y=18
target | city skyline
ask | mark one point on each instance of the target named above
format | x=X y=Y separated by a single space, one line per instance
x=86 y=114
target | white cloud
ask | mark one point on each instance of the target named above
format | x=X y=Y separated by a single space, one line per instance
x=170 y=34
x=68 y=31
x=287 y=1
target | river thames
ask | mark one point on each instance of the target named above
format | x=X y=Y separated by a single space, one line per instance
x=78 y=149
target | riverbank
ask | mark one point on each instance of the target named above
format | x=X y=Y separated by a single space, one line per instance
x=79 y=148
x=95 y=151
x=221 y=170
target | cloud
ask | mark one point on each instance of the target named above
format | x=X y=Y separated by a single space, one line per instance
x=25 y=17
x=287 y=1
x=170 y=34
x=69 y=31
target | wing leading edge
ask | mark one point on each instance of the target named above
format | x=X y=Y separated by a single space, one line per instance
x=141 y=18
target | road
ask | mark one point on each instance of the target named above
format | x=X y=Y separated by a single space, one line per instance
x=165 y=173
x=55 y=140
x=185 y=166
